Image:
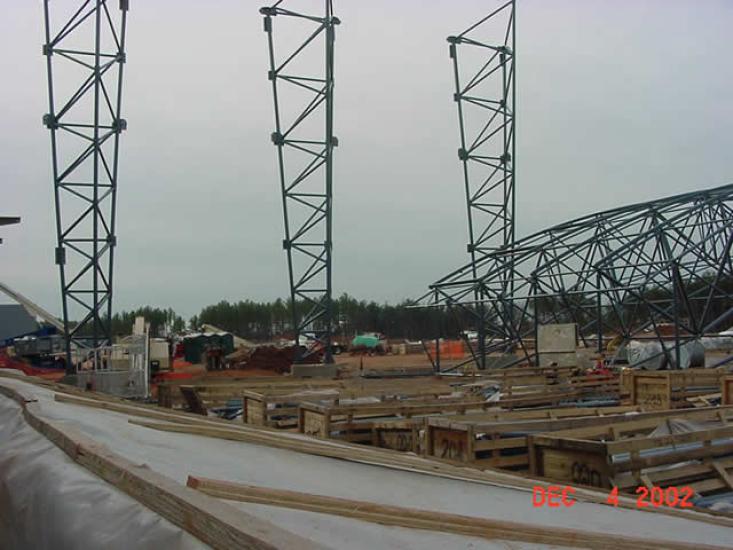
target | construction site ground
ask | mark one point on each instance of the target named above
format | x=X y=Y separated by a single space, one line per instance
x=48 y=487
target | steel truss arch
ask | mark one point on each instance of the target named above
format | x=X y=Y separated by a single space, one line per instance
x=629 y=271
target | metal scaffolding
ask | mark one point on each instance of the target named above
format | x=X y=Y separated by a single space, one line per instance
x=303 y=100
x=85 y=56
x=660 y=270
x=485 y=96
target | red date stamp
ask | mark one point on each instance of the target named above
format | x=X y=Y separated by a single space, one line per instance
x=559 y=496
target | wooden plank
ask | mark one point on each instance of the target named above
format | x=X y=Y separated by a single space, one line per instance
x=615 y=447
x=726 y=390
x=312 y=423
x=413 y=518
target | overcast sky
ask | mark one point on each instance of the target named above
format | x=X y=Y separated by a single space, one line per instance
x=618 y=101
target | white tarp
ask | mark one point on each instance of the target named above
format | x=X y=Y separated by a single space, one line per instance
x=49 y=502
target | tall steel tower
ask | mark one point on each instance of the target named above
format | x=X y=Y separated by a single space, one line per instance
x=302 y=87
x=485 y=96
x=85 y=56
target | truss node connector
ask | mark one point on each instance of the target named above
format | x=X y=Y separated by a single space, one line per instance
x=452 y=40
x=277 y=138
x=60 y=255
x=47 y=50
x=334 y=141
x=335 y=21
x=119 y=125
x=50 y=122
x=462 y=154
x=268 y=11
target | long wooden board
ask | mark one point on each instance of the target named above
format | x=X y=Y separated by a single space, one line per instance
x=491 y=529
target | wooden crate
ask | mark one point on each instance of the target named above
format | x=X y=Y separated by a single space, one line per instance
x=400 y=435
x=626 y=380
x=670 y=389
x=571 y=389
x=279 y=409
x=499 y=439
x=356 y=422
x=625 y=455
x=219 y=390
x=726 y=390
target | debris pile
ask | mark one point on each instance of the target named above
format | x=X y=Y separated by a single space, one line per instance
x=269 y=358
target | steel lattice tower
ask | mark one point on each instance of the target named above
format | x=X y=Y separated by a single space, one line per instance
x=485 y=96
x=85 y=55
x=303 y=101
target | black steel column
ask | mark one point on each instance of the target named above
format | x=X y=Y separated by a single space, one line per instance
x=306 y=187
x=85 y=130
x=485 y=98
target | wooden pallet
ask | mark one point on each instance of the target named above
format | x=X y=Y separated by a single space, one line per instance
x=671 y=389
x=625 y=455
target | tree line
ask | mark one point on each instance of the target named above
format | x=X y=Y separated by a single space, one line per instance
x=266 y=321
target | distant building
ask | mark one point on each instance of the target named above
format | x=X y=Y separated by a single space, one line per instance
x=15 y=321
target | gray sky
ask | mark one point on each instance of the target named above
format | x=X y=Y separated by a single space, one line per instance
x=618 y=101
